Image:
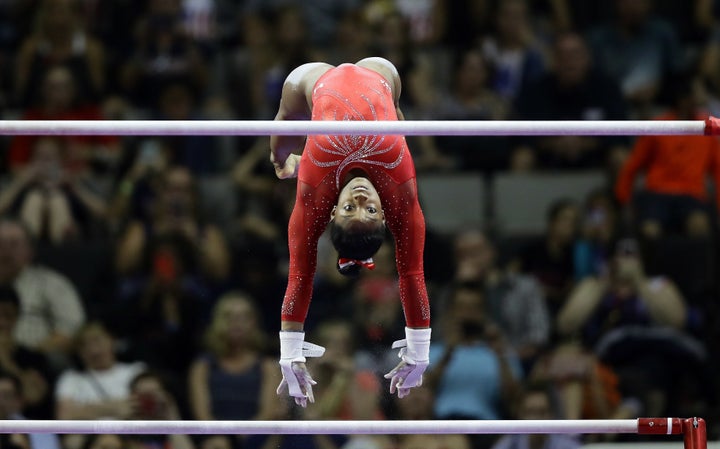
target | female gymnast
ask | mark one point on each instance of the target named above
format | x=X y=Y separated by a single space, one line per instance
x=359 y=184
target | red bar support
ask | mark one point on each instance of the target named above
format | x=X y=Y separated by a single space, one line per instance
x=712 y=126
x=695 y=433
x=660 y=426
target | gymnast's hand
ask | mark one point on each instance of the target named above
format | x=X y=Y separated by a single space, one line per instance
x=296 y=378
x=298 y=382
x=287 y=170
x=415 y=357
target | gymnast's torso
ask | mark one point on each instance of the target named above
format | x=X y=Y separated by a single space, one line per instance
x=350 y=92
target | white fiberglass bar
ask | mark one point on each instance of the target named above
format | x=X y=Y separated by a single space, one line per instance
x=407 y=127
x=322 y=427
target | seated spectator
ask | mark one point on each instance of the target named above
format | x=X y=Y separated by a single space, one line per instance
x=572 y=89
x=674 y=198
x=163 y=53
x=12 y=407
x=191 y=247
x=638 y=50
x=59 y=36
x=420 y=405
x=550 y=257
x=535 y=402
x=599 y=231
x=60 y=100
x=470 y=97
x=515 y=301
x=150 y=400
x=234 y=378
x=52 y=201
x=635 y=324
x=344 y=391
x=99 y=388
x=512 y=48
x=30 y=367
x=471 y=347
x=51 y=310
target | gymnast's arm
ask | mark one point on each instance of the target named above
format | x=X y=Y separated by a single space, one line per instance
x=295 y=104
x=406 y=222
x=308 y=221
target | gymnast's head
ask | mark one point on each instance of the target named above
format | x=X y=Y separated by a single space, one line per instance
x=357 y=226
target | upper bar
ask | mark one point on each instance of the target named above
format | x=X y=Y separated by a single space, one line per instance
x=322 y=427
x=406 y=127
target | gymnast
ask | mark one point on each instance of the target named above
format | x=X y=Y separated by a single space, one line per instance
x=359 y=184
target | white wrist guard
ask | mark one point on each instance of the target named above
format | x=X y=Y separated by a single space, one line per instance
x=415 y=348
x=294 y=348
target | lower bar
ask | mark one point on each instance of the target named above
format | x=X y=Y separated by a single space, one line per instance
x=324 y=427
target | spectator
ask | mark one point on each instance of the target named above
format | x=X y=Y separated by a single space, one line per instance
x=192 y=247
x=512 y=49
x=550 y=257
x=573 y=89
x=472 y=347
x=638 y=51
x=163 y=53
x=616 y=315
x=50 y=309
x=535 y=402
x=12 y=407
x=344 y=390
x=420 y=405
x=234 y=379
x=151 y=400
x=674 y=198
x=59 y=37
x=599 y=231
x=31 y=368
x=55 y=204
x=99 y=388
x=471 y=97
x=60 y=99
x=514 y=301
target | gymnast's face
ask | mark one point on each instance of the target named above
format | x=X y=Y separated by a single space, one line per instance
x=358 y=203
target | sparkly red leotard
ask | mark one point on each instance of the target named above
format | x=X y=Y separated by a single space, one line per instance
x=349 y=92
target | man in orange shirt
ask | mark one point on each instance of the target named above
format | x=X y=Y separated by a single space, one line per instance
x=674 y=197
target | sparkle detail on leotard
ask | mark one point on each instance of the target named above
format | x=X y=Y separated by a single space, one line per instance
x=352 y=149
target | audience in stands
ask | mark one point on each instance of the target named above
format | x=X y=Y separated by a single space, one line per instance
x=234 y=377
x=574 y=88
x=151 y=400
x=98 y=387
x=139 y=223
x=55 y=203
x=13 y=406
x=51 y=310
x=675 y=196
x=622 y=316
x=514 y=301
x=30 y=367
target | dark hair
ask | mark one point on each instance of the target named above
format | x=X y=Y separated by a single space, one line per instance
x=557 y=207
x=9 y=295
x=356 y=243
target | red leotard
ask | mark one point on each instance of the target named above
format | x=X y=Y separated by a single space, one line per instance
x=349 y=92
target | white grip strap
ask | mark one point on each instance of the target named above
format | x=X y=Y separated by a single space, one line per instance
x=415 y=347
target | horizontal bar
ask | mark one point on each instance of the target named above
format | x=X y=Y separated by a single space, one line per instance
x=304 y=127
x=322 y=427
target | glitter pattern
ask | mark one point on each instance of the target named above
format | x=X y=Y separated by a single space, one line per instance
x=352 y=93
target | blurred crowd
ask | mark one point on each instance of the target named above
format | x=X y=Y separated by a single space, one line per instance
x=142 y=277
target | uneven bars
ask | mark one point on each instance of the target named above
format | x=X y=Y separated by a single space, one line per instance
x=637 y=426
x=711 y=126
